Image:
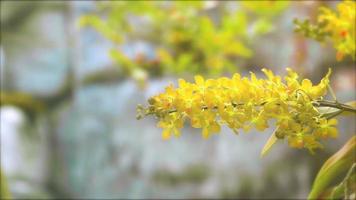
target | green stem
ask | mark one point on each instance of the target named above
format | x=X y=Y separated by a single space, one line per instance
x=340 y=106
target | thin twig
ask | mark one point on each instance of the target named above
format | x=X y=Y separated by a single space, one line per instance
x=340 y=106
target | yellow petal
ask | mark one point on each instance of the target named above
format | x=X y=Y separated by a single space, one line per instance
x=199 y=80
x=166 y=134
x=195 y=123
x=162 y=124
x=332 y=122
x=214 y=128
x=176 y=132
x=296 y=143
x=306 y=84
x=332 y=132
x=268 y=73
x=205 y=133
x=182 y=83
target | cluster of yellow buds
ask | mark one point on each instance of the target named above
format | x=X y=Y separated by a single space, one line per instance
x=242 y=102
x=338 y=26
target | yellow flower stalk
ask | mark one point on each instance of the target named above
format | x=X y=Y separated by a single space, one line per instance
x=244 y=103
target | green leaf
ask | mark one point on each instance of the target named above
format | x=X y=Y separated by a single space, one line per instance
x=235 y=24
x=5 y=193
x=262 y=26
x=347 y=187
x=352 y=104
x=101 y=26
x=339 y=163
x=124 y=61
x=270 y=142
x=328 y=111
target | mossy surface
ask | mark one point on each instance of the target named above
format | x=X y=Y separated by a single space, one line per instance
x=192 y=174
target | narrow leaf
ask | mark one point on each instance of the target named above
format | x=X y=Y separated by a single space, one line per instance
x=270 y=142
x=328 y=111
x=352 y=104
x=341 y=189
x=339 y=163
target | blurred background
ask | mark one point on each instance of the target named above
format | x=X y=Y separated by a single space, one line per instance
x=73 y=72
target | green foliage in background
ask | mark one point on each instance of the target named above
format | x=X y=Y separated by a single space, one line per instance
x=187 y=37
x=191 y=174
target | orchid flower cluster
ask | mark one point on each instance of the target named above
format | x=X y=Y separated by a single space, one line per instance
x=243 y=103
x=338 y=26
